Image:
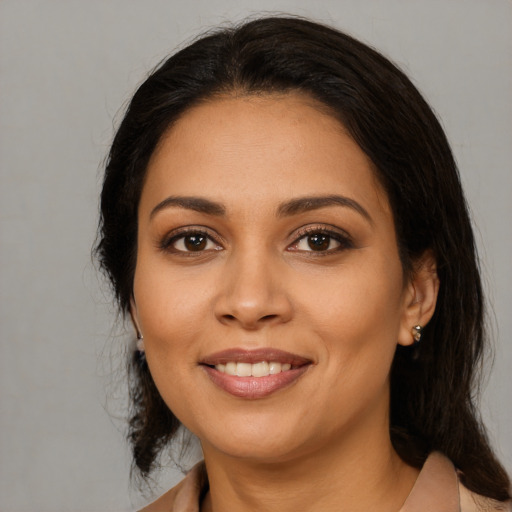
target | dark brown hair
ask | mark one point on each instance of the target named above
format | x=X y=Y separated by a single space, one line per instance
x=433 y=383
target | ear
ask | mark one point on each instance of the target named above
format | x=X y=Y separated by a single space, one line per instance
x=420 y=297
x=134 y=317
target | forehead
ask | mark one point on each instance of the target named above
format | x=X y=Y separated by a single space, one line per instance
x=261 y=148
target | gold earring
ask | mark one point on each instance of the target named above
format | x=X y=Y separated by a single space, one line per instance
x=417 y=332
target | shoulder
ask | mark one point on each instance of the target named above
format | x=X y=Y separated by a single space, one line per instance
x=184 y=497
x=164 y=502
x=439 y=487
x=472 y=502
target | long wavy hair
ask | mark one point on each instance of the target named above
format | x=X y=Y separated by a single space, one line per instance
x=432 y=384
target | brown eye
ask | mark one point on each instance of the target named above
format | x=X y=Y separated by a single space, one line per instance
x=195 y=242
x=319 y=242
x=191 y=242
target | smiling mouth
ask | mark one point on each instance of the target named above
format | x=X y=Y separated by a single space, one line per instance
x=256 y=373
x=261 y=369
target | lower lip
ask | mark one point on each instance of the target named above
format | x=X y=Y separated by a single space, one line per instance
x=253 y=388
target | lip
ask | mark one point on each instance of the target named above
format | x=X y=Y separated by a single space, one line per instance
x=253 y=388
x=254 y=356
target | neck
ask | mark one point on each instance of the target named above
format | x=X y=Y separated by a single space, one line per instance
x=349 y=475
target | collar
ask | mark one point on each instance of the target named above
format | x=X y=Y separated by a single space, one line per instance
x=436 y=490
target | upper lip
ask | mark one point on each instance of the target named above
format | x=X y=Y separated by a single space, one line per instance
x=258 y=355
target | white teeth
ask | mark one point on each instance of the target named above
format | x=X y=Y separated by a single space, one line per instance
x=255 y=370
x=259 y=369
x=274 y=368
x=243 y=369
x=231 y=368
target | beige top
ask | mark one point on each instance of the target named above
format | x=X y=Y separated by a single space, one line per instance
x=437 y=489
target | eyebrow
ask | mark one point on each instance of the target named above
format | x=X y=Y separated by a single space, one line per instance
x=198 y=204
x=306 y=204
x=287 y=209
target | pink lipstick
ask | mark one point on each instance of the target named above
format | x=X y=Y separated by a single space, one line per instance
x=254 y=374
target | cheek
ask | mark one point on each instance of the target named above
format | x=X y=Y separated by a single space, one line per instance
x=359 y=331
x=170 y=307
x=358 y=315
x=164 y=296
x=170 y=310
x=361 y=297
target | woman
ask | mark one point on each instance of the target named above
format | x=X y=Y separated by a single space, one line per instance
x=283 y=220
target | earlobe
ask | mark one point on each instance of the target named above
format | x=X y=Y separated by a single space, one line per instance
x=420 y=299
x=135 y=323
x=134 y=317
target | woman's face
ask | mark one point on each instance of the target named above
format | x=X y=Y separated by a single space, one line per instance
x=268 y=284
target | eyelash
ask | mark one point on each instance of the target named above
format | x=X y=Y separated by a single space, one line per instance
x=167 y=243
x=343 y=239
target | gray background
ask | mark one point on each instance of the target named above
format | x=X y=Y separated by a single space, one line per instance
x=66 y=67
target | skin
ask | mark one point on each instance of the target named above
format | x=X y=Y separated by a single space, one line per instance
x=323 y=442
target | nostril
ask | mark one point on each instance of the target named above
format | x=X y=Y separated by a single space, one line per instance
x=253 y=323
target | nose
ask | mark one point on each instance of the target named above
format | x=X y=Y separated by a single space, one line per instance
x=252 y=293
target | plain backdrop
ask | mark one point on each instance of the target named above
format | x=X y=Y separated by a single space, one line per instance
x=66 y=69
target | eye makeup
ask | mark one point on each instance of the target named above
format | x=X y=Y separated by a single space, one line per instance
x=321 y=240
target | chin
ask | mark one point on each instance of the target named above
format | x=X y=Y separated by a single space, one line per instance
x=265 y=440
x=257 y=451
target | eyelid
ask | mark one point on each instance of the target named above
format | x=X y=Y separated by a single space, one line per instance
x=338 y=234
x=165 y=243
